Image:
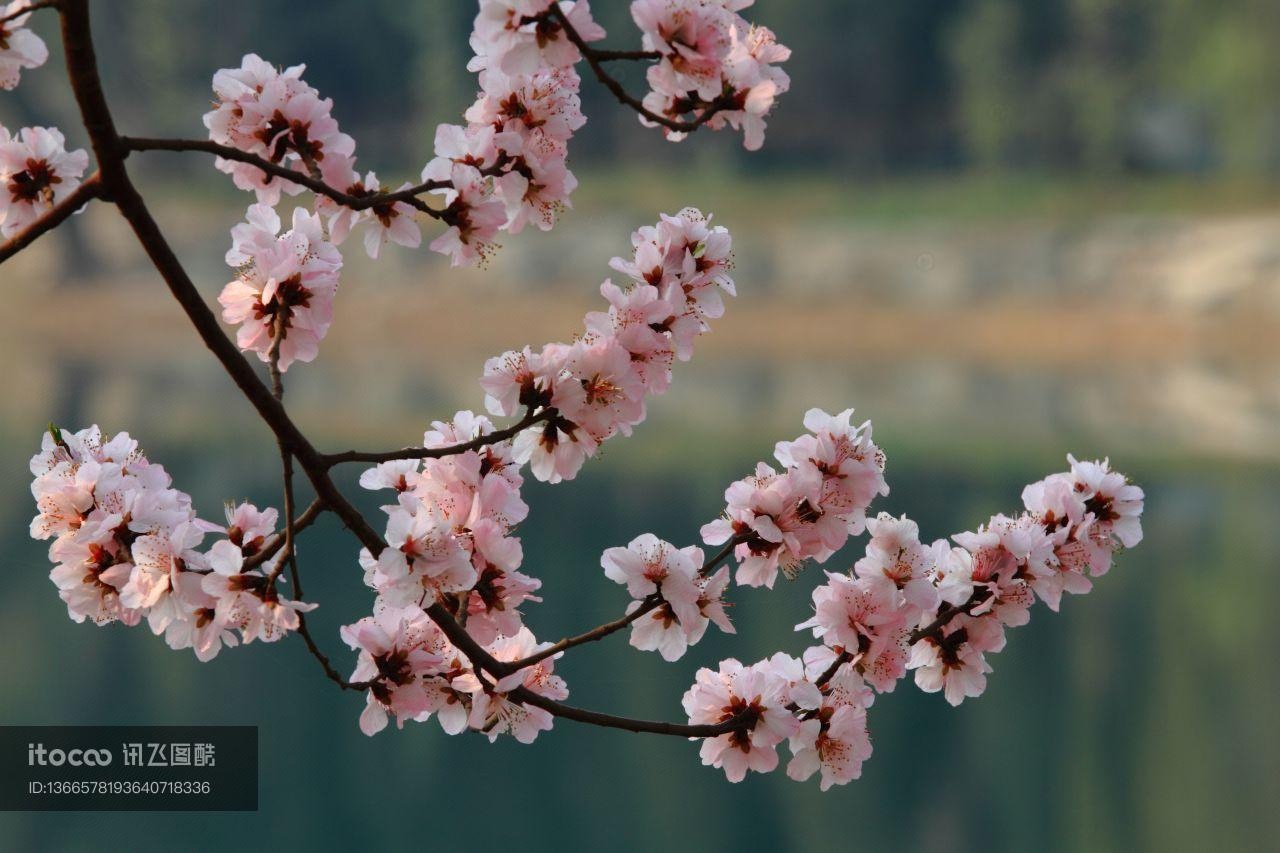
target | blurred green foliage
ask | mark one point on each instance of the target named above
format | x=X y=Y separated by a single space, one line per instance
x=1068 y=86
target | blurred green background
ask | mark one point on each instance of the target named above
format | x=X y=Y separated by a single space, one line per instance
x=1002 y=230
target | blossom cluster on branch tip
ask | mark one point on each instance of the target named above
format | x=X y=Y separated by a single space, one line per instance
x=596 y=387
x=36 y=172
x=712 y=60
x=938 y=609
x=780 y=519
x=19 y=47
x=126 y=545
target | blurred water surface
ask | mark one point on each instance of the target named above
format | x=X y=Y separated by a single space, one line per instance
x=1141 y=717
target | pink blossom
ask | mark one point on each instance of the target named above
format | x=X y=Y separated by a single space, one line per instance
x=274 y=114
x=494 y=713
x=518 y=36
x=36 y=172
x=1115 y=506
x=896 y=560
x=1003 y=559
x=19 y=47
x=693 y=38
x=158 y=559
x=761 y=514
x=91 y=570
x=423 y=560
x=843 y=458
x=399 y=474
x=758 y=695
x=395 y=653
x=198 y=627
x=536 y=190
x=542 y=108
x=650 y=567
x=954 y=662
x=711 y=60
x=389 y=221
x=780 y=519
x=473 y=215
x=494 y=601
x=867 y=621
x=289 y=281
x=516 y=379
x=835 y=742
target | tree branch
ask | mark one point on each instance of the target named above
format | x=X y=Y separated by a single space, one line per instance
x=602 y=631
x=286 y=463
x=30 y=7
x=355 y=202
x=530 y=418
x=596 y=718
x=53 y=217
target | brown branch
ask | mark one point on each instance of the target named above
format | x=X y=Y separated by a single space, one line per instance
x=616 y=55
x=841 y=659
x=30 y=7
x=596 y=718
x=331 y=673
x=53 y=217
x=601 y=631
x=355 y=202
x=530 y=418
x=286 y=462
x=597 y=58
x=947 y=613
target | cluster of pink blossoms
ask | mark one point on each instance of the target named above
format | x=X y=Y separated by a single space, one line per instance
x=36 y=172
x=711 y=58
x=780 y=700
x=683 y=600
x=413 y=671
x=450 y=542
x=286 y=284
x=126 y=546
x=450 y=533
x=596 y=387
x=937 y=609
x=19 y=47
x=503 y=170
x=809 y=509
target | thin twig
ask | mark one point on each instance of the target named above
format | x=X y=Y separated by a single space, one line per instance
x=530 y=418
x=30 y=7
x=647 y=605
x=279 y=330
x=53 y=217
x=355 y=202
